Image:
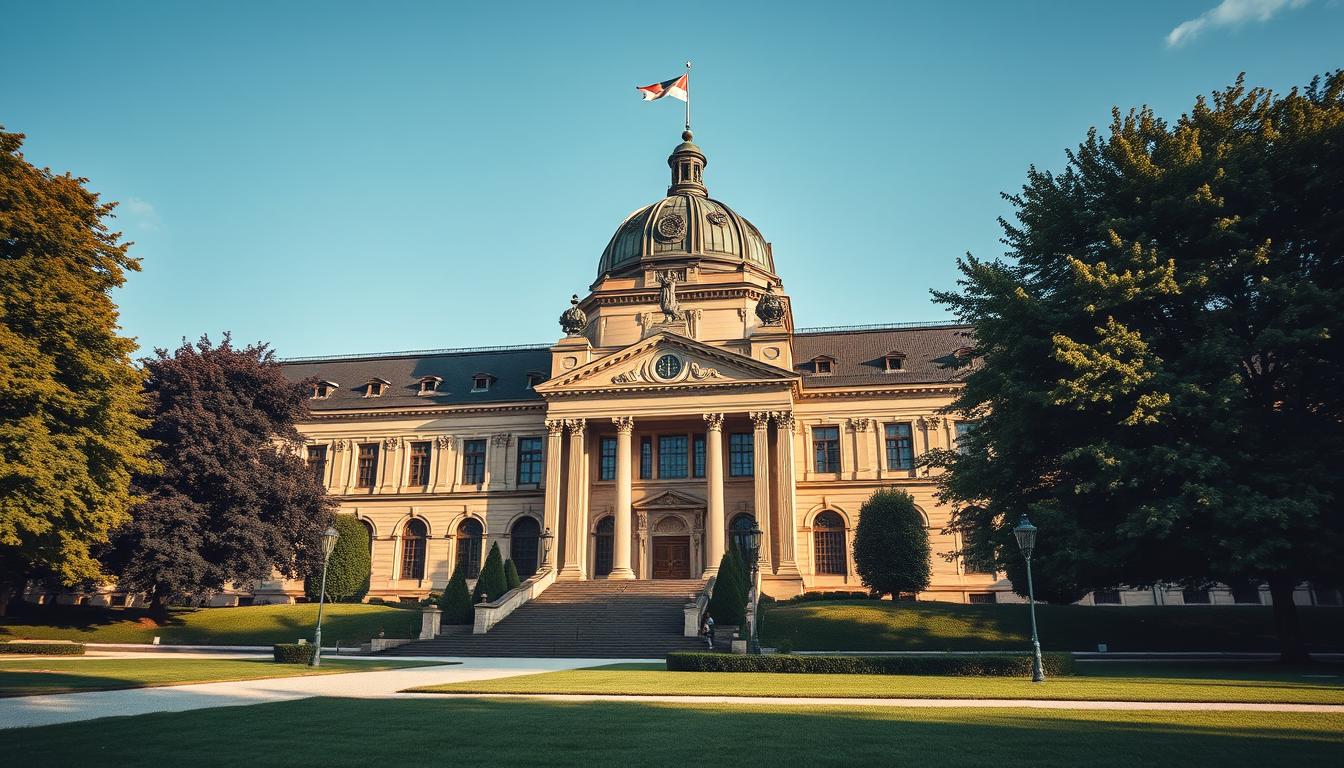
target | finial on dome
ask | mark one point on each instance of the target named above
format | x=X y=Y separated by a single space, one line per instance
x=573 y=321
x=687 y=135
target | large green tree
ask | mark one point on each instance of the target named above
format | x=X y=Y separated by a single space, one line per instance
x=233 y=501
x=69 y=391
x=1157 y=367
x=891 y=544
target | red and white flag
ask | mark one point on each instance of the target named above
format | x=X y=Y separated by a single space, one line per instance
x=677 y=88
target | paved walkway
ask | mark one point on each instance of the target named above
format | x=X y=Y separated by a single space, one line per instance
x=27 y=711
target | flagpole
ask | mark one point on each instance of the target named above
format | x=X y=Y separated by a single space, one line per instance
x=688 y=95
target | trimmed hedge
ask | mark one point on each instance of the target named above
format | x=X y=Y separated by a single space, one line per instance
x=44 y=649
x=975 y=665
x=293 y=653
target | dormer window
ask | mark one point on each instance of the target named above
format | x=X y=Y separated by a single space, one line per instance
x=323 y=389
x=481 y=382
x=534 y=378
x=376 y=387
x=823 y=365
x=429 y=385
x=894 y=361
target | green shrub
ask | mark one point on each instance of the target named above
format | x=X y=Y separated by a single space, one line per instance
x=348 y=570
x=456 y=600
x=511 y=574
x=728 y=604
x=891 y=544
x=293 y=653
x=971 y=665
x=492 y=582
x=44 y=649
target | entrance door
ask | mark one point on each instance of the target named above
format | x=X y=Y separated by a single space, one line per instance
x=672 y=557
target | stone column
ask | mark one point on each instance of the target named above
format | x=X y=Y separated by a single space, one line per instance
x=555 y=434
x=497 y=463
x=575 y=526
x=620 y=559
x=714 y=525
x=787 y=501
x=390 y=458
x=351 y=465
x=760 y=453
x=863 y=447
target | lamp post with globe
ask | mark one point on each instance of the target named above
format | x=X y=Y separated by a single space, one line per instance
x=753 y=542
x=1026 y=541
x=329 y=538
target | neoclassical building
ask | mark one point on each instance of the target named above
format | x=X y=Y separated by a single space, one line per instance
x=680 y=407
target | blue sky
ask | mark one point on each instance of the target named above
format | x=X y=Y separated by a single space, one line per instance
x=346 y=177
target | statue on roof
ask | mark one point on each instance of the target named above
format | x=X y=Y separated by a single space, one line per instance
x=667 y=298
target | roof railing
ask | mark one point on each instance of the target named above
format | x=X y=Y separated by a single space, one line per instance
x=416 y=352
x=881 y=326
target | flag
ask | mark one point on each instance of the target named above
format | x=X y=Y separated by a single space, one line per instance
x=677 y=88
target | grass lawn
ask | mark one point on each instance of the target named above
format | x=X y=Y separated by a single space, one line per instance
x=1097 y=682
x=349 y=732
x=27 y=676
x=883 y=625
x=348 y=623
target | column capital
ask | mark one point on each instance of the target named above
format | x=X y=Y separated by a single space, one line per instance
x=760 y=419
x=501 y=440
x=624 y=424
x=555 y=426
x=715 y=421
x=443 y=441
x=576 y=426
x=860 y=424
x=392 y=443
x=783 y=419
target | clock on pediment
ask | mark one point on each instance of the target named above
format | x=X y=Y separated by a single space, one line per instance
x=667 y=367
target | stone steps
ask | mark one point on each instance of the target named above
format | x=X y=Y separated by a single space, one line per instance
x=581 y=619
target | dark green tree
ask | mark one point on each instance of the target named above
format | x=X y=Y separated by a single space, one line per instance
x=1156 y=369
x=511 y=574
x=70 y=395
x=349 y=568
x=891 y=544
x=728 y=604
x=233 y=502
x=456 y=602
x=492 y=582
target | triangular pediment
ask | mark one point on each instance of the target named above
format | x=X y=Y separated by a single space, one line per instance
x=667 y=361
x=669 y=500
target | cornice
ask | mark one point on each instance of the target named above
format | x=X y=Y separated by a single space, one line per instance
x=410 y=412
x=878 y=391
x=364 y=498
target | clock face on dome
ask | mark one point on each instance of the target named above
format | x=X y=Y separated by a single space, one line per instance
x=667 y=366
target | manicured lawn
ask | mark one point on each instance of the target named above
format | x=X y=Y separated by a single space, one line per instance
x=349 y=732
x=883 y=625
x=348 y=623
x=1097 y=682
x=27 y=676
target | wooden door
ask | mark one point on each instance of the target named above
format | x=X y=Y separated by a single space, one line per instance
x=672 y=557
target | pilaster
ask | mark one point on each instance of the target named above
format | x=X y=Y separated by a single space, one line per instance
x=576 y=529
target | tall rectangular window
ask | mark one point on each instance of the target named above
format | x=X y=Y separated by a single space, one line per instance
x=367 y=476
x=317 y=463
x=529 y=460
x=419 y=474
x=645 y=458
x=826 y=448
x=741 y=455
x=900 y=447
x=698 y=456
x=964 y=428
x=606 y=458
x=672 y=456
x=473 y=462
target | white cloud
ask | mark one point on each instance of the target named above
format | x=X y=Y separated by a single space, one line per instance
x=1229 y=13
x=142 y=214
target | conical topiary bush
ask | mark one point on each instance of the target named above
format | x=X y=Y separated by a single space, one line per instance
x=455 y=602
x=511 y=574
x=492 y=582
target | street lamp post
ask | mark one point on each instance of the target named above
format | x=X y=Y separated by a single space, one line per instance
x=329 y=538
x=1026 y=541
x=754 y=545
x=546 y=537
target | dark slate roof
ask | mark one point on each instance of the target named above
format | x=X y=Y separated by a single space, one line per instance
x=860 y=354
x=508 y=365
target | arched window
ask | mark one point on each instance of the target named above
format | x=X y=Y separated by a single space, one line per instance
x=606 y=536
x=828 y=543
x=523 y=538
x=413 y=549
x=469 y=536
x=739 y=532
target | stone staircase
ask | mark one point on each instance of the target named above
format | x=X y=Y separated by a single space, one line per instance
x=581 y=619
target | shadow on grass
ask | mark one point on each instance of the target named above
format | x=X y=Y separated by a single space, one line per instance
x=346 y=732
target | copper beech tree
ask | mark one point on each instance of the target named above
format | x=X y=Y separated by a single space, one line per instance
x=232 y=502
x=69 y=390
x=1158 y=366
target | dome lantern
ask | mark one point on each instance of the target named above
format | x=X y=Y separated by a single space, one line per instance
x=688 y=165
